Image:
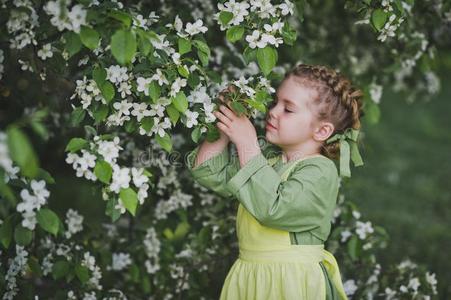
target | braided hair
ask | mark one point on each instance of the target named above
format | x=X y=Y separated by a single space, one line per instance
x=337 y=101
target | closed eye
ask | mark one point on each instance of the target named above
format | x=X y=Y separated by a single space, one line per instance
x=288 y=110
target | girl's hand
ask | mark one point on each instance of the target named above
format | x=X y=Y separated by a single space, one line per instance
x=223 y=97
x=240 y=130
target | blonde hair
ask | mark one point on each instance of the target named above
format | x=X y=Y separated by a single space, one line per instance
x=337 y=101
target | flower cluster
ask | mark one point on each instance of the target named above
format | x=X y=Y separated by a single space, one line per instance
x=74 y=222
x=87 y=90
x=89 y=262
x=409 y=281
x=6 y=162
x=121 y=177
x=120 y=261
x=32 y=203
x=21 y=24
x=390 y=27
x=63 y=18
x=269 y=32
x=152 y=247
x=17 y=267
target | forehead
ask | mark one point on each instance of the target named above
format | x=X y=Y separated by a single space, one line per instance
x=295 y=92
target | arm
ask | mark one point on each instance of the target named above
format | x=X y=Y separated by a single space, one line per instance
x=298 y=204
x=215 y=166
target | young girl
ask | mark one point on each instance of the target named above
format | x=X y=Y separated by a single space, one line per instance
x=286 y=202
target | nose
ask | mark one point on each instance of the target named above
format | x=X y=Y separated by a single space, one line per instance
x=272 y=113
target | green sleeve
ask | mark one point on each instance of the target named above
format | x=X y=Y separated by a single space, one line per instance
x=215 y=172
x=303 y=202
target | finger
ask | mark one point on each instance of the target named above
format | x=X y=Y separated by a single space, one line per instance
x=222 y=117
x=228 y=112
x=223 y=128
x=231 y=88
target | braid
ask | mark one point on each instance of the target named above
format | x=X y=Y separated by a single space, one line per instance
x=337 y=101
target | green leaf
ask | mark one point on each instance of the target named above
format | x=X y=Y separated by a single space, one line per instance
x=289 y=35
x=165 y=141
x=131 y=125
x=82 y=273
x=193 y=80
x=40 y=130
x=100 y=113
x=196 y=134
x=378 y=18
x=111 y=211
x=300 y=8
x=225 y=17
x=257 y=105
x=90 y=131
x=267 y=59
x=250 y=54
x=48 y=220
x=263 y=96
x=6 y=191
x=372 y=112
x=22 y=152
x=235 y=33
x=129 y=199
x=6 y=233
x=203 y=58
x=154 y=91
x=353 y=247
x=77 y=116
x=184 y=46
x=238 y=107
x=167 y=232
x=180 y=102
x=60 y=269
x=103 y=171
x=183 y=71
x=35 y=267
x=22 y=235
x=144 y=44
x=43 y=174
x=212 y=133
x=107 y=90
x=202 y=46
x=147 y=123
x=76 y=144
x=123 y=17
x=89 y=37
x=181 y=230
x=173 y=113
x=72 y=43
x=99 y=75
x=123 y=46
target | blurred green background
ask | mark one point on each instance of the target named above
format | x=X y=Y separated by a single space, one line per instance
x=405 y=184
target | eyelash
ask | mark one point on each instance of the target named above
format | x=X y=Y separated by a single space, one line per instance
x=274 y=104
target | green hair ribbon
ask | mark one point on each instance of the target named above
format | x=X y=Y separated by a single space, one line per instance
x=348 y=149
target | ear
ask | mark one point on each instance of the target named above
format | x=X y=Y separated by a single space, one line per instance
x=323 y=131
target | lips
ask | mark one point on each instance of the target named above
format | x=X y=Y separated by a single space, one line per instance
x=270 y=125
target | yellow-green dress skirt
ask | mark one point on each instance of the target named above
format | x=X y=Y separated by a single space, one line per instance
x=270 y=267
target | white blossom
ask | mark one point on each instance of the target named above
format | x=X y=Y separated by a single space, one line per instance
x=140 y=110
x=120 y=261
x=74 y=222
x=191 y=118
x=116 y=74
x=363 y=229
x=197 y=27
x=45 y=52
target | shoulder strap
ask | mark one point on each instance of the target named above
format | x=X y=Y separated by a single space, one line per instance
x=287 y=172
x=273 y=160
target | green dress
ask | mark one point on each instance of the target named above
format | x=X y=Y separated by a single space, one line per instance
x=283 y=219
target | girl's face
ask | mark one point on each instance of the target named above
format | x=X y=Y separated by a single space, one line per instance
x=290 y=115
